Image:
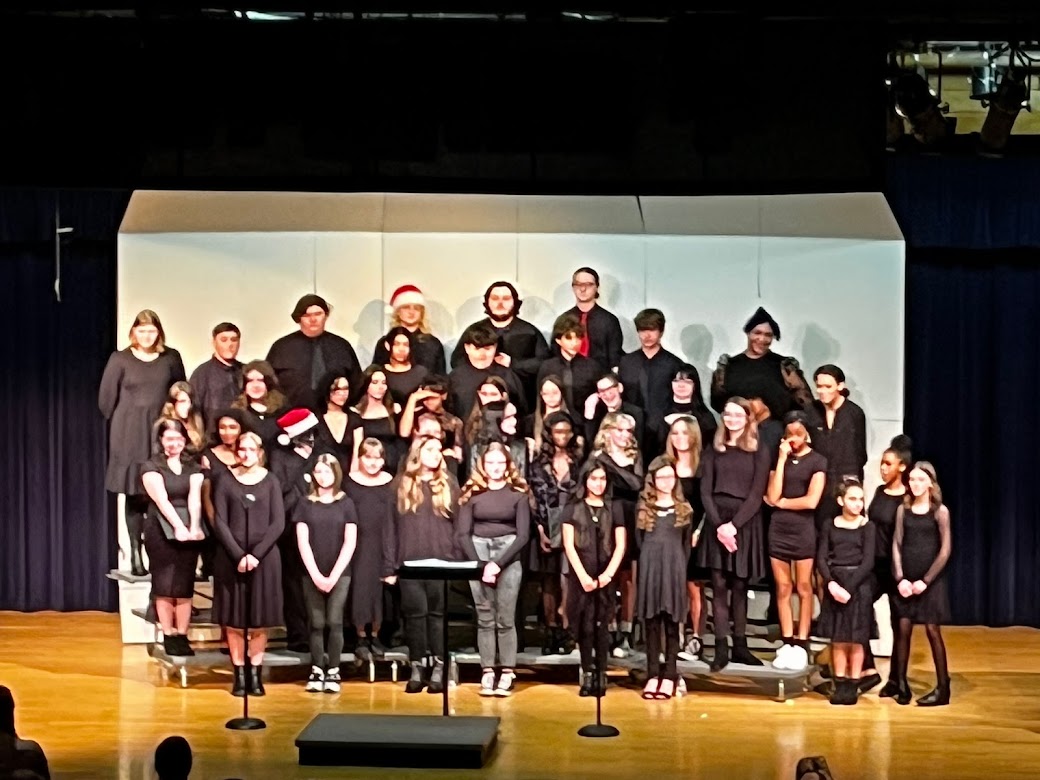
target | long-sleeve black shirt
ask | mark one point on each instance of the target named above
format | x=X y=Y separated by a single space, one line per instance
x=495 y=513
x=427 y=351
x=579 y=378
x=735 y=473
x=845 y=443
x=648 y=381
x=606 y=341
x=465 y=380
x=423 y=533
x=293 y=359
x=846 y=547
x=216 y=385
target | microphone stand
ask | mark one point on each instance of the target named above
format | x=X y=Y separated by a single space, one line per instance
x=599 y=728
x=246 y=723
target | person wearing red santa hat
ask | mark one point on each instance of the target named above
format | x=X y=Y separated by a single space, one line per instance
x=292 y=460
x=408 y=309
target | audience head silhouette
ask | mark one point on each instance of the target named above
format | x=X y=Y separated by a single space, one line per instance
x=173 y=759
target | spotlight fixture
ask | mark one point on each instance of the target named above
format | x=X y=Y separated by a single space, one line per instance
x=1009 y=99
x=917 y=103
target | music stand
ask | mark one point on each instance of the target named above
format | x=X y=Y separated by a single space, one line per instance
x=445 y=571
x=246 y=723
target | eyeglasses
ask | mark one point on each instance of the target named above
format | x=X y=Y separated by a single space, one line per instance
x=582 y=285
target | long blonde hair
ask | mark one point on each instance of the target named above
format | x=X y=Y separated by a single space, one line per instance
x=610 y=422
x=149 y=317
x=337 y=478
x=409 y=489
x=194 y=424
x=693 y=430
x=646 y=511
x=748 y=439
x=478 y=481
x=423 y=327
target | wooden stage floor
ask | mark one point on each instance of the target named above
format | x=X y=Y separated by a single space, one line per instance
x=99 y=709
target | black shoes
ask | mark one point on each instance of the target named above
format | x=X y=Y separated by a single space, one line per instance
x=937 y=697
x=436 y=684
x=587 y=683
x=721 y=658
x=846 y=691
x=868 y=682
x=741 y=654
x=177 y=645
x=256 y=681
x=418 y=679
x=898 y=689
x=238 y=688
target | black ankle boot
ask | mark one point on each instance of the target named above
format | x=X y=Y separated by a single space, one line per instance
x=890 y=689
x=846 y=691
x=741 y=654
x=721 y=658
x=417 y=681
x=937 y=697
x=256 y=681
x=586 y=684
x=550 y=640
x=903 y=693
x=239 y=686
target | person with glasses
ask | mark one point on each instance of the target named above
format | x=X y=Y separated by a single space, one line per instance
x=609 y=397
x=602 y=340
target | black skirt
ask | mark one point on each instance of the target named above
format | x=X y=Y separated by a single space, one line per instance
x=171 y=563
x=792 y=535
x=748 y=562
x=931 y=607
x=850 y=623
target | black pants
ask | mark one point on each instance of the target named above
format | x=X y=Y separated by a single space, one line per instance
x=588 y=615
x=326 y=610
x=294 y=605
x=422 y=607
x=728 y=602
x=655 y=627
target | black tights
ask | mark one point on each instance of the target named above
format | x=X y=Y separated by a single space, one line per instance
x=654 y=628
x=592 y=633
x=901 y=651
x=729 y=601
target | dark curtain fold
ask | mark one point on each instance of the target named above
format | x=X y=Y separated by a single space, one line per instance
x=57 y=522
x=972 y=320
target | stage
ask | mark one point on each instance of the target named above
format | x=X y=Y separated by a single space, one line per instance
x=99 y=708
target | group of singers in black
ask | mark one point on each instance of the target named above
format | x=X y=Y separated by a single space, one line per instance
x=600 y=477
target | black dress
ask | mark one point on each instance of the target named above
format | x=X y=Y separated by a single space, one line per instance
x=131 y=397
x=882 y=514
x=264 y=425
x=691 y=488
x=172 y=563
x=403 y=383
x=732 y=485
x=375 y=508
x=325 y=442
x=266 y=522
x=753 y=378
x=594 y=543
x=846 y=556
x=920 y=551
x=626 y=482
x=663 y=556
x=792 y=533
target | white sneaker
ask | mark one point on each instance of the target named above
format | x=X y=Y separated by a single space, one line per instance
x=505 y=684
x=316 y=682
x=797 y=660
x=487 y=684
x=332 y=680
x=780 y=661
x=692 y=649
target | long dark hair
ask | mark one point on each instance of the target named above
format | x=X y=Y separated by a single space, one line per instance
x=547 y=451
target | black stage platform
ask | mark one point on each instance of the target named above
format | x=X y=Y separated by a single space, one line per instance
x=433 y=741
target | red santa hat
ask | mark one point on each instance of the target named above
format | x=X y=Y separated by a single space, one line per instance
x=406 y=294
x=294 y=423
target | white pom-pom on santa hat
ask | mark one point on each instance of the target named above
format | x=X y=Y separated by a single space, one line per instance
x=294 y=423
x=405 y=295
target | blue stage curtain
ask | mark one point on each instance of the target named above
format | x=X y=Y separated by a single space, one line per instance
x=57 y=523
x=972 y=374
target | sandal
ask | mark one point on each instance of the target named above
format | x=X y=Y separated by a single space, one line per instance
x=650 y=689
x=666 y=689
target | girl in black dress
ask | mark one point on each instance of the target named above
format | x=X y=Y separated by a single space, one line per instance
x=839 y=431
x=616 y=448
x=180 y=405
x=553 y=478
x=594 y=543
x=173 y=482
x=846 y=563
x=920 y=551
x=326 y=531
x=251 y=497
x=378 y=414
x=371 y=489
x=494 y=525
x=403 y=374
x=734 y=474
x=795 y=486
x=133 y=390
x=895 y=462
x=424 y=527
x=664 y=527
x=683 y=443
x=261 y=400
x=336 y=424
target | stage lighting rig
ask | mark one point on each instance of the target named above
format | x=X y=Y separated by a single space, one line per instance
x=916 y=102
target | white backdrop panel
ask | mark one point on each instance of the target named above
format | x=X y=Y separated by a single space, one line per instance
x=194 y=281
x=349 y=275
x=546 y=262
x=452 y=270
